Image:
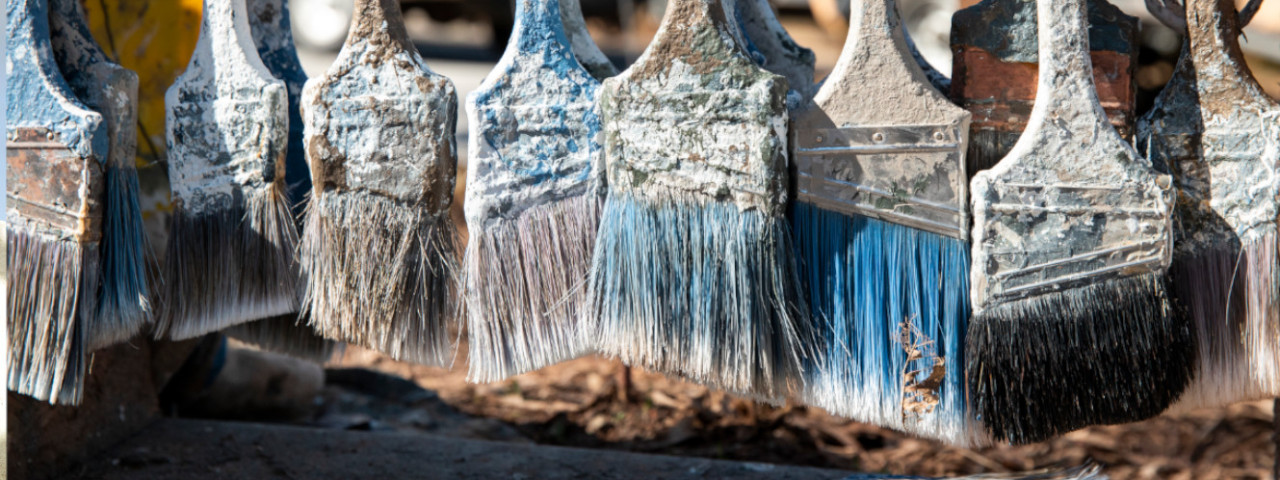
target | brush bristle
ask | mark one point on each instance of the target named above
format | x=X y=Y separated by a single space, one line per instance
x=1106 y=353
x=1261 y=276
x=526 y=288
x=287 y=335
x=701 y=289
x=986 y=148
x=228 y=267
x=124 y=307
x=867 y=279
x=52 y=289
x=381 y=274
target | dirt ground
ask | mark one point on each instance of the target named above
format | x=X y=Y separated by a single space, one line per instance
x=580 y=403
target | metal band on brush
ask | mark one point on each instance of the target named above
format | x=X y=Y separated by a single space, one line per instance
x=910 y=175
x=52 y=190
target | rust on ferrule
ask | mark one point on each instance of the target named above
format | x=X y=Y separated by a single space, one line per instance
x=51 y=190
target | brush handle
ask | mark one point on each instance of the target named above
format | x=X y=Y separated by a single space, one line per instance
x=37 y=94
x=102 y=85
x=539 y=28
x=1065 y=88
x=273 y=35
x=684 y=17
x=378 y=22
x=778 y=52
x=1223 y=80
x=876 y=80
x=584 y=48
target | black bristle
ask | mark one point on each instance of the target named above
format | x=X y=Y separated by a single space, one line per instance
x=288 y=335
x=1107 y=353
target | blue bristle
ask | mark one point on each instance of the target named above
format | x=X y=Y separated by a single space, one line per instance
x=704 y=290
x=867 y=277
x=123 y=307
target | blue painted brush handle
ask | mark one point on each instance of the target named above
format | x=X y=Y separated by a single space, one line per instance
x=38 y=96
x=273 y=35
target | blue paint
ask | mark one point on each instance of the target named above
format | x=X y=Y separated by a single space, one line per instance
x=37 y=95
x=274 y=40
x=865 y=277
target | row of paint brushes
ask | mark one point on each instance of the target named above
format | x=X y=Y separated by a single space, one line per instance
x=684 y=263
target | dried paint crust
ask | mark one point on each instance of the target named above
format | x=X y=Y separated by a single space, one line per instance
x=379 y=250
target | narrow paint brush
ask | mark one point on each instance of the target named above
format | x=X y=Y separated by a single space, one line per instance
x=1072 y=238
x=1219 y=135
x=287 y=334
x=881 y=224
x=232 y=238
x=379 y=250
x=693 y=272
x=584 y=48
x=124 y=306
x=994 y=57
x=533 y=200
x=56 y=191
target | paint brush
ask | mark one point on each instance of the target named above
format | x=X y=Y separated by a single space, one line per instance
x=584 y=48
x=231 y=245
x=693 y=272
x=1072 y=324
x=287 y=334
x=56 y=191
x=532 y=201
x=379 y=249
x=881 y=224
x=1218 y=134
x=994 y=57
x=124 y=307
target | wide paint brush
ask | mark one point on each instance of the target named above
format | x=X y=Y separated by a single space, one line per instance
x=379 y=250
x=56 y=186
x=1072 y=237
x=881 y=224
x=232 y=238
x=693 y=272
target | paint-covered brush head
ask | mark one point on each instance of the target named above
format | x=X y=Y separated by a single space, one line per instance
x=379 y=249
x=994 y=57
x=1073 y=325
x=534 y=191
x=1218 y=134
x=124 y=307
x=772 y=48
x=693 y=272
x=881 y=223
x=56 y=149
x=231 y=245
x=584 y=48
x=269 y=24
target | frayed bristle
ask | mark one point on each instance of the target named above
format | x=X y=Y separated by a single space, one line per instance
x=228 y=267
x=381 y=274
x=1211 y=286
x=124 y=305
x=1259 y=272
x=867 y=280
x=526 y=285
x=700 y=289
x=1106 y=353
x=287 y=335
x=52 y=289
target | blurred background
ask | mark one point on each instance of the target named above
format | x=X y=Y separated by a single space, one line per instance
x=595 y=402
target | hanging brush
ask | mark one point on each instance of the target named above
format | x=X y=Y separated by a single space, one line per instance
x=881 y=225
x=232 y=238
x=379 y=249
x=124 y=307
x=994 y=56
x=56 y=192
x=693 y=273
x=773 y=48
x=287 y=334
x=1219 y=134
x=532 y=201
x=1072 y=322
x=584 y=48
